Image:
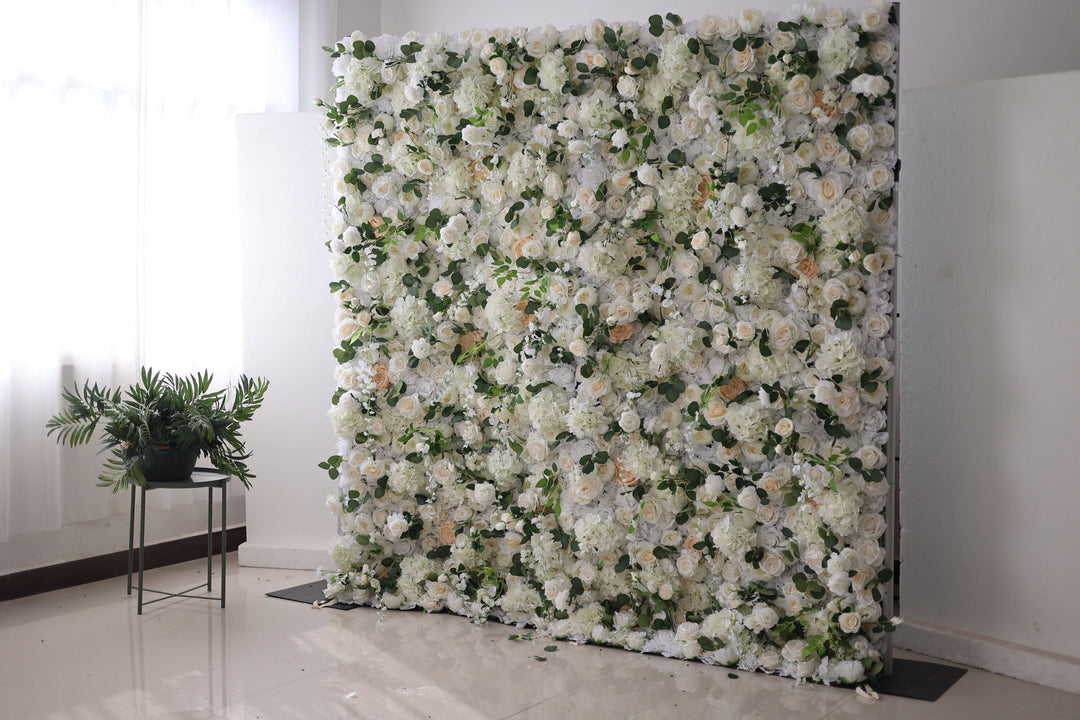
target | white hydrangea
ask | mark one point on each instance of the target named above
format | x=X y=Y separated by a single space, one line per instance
x=841 y=354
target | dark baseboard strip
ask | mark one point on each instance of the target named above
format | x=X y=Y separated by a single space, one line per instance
x=102 y=567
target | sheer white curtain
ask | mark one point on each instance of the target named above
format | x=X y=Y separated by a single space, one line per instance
x=118 y=223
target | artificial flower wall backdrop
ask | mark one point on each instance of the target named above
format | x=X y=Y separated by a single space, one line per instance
x=614 y=331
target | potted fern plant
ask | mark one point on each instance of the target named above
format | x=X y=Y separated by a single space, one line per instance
x=158 y=427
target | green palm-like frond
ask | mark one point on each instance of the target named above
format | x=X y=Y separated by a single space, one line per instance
x=158 y=412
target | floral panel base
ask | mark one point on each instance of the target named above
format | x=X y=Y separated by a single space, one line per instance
x=614 y=331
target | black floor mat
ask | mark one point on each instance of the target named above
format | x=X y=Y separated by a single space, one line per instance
x=918 y=680
x=308 y=593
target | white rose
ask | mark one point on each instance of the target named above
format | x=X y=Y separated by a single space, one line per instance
x=579 y=347
x=410 y=407
x=835 y=17
x=629 y=421
x=648 y=175
x=748 y=498
x=744 y=60
x=881 y=51
x=784 y=427
x=861 y=138
x=846 y=403
x=474 y=135
x=772 y=563
x=729 y=28
x=442 y=287
x=767 y=515
x=650 y=511
x=685 y=265
x=877 y=85
x=553 y=185
x=586 y=488
x=798 y=102
x=874 y=17
x=586 y=296
x=615 y=206
x=872 y=526
x=834 y=290
x=750 y=21
x=761 y=618
x=396 y=525
x=849 y=622
x=536 y=448
x=876 y=325
x=532 y=367
x=827 y=190
x=665 y=591
x=871 y=457
x=879 y=178
x=814 y=12
x=745 y=331
x=469 y=432
x=687 y=563
x=413 y=94
x=506 y=372
x=709 y=28
x=482 y=494
x=874 y=263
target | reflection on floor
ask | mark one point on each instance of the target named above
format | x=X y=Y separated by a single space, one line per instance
x=83 y=653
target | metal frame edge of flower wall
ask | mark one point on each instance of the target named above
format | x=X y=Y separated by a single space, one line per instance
x=613 y=331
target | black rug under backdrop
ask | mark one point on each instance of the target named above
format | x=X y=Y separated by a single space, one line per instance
x=910 y=678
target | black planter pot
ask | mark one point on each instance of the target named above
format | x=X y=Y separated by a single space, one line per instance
x=170 y=465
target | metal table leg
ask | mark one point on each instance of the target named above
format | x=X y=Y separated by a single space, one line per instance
x=131 y=536
x=142 y=542
x=224 y=519
x=209 y=538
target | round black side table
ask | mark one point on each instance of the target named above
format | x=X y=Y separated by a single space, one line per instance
x=208 y=478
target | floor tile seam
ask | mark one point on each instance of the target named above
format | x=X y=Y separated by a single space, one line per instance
x=522 y=711
x=835 y=712
x=275 y=688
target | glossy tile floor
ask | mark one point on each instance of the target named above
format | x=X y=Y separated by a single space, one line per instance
x=83 y=653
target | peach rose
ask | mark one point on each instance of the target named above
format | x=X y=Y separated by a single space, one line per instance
x=382 y=377
x=819 y=102
x=468 y=340
x=447 y=534
x=623 y=476
x=479 y=170
x=525 y=317
x=704 y=188
x=622 y=332
x=806 y=269
x=519 y=246
x=732 y=389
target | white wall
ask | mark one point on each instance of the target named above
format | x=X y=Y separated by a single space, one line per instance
x=989 y=345
x=288 y=314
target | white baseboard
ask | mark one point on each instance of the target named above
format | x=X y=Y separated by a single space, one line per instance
x=289 y=558
x=1019 y=661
